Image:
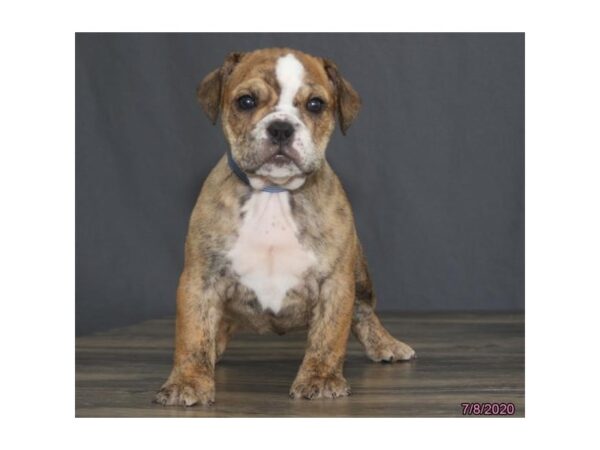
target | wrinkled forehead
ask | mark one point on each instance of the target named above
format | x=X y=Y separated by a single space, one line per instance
x=281 y=68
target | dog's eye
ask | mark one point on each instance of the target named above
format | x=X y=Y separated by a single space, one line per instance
x=246 y=102
x=315 y=105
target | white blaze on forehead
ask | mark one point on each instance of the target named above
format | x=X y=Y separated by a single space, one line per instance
x=290 y=75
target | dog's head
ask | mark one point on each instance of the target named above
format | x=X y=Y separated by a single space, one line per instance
x=278 y=109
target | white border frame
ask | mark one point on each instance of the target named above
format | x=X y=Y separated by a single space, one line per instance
x=562 y=221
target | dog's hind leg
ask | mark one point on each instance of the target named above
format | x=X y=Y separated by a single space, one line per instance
x=224 y=334
x=379 y=344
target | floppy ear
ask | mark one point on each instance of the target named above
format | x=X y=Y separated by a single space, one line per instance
x=210 y=89
x=347 y=99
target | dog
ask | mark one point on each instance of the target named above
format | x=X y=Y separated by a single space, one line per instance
x=272 y=244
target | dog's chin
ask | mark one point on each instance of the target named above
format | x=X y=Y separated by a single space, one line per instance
x=279 y=170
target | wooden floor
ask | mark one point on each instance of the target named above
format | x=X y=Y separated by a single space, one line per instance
x=461 y=358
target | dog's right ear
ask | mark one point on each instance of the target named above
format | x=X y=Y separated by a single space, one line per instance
x=210 y=89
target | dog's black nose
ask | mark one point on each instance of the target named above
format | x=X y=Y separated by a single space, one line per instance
x=280 y=131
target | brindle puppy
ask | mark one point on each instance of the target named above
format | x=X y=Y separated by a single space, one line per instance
x=272 y=244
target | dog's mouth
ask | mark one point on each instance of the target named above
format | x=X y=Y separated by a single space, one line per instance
x=282 y=160
x=279 y=159
x=276 y=165
x=279 y=169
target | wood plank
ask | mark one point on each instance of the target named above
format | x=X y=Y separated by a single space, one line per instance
x=461 y=358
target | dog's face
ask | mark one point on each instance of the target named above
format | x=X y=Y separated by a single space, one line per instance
x=278 y=110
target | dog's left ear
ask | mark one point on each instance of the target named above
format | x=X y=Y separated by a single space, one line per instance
x=210 y=89
x=347 y=99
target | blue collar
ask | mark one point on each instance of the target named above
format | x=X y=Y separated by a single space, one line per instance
x=244 y=178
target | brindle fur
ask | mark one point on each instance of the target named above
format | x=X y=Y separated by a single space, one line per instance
x=336 y=295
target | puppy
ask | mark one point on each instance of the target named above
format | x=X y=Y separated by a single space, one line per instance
x=272 y=244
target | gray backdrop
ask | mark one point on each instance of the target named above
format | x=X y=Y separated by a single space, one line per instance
x=434 y=165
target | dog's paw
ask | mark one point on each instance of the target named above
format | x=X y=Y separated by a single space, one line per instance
x=390 y=350
x=320 y=387
x=186 y=393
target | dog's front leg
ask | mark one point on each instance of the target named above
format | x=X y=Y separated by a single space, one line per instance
x=199 y=313
x=320 y=374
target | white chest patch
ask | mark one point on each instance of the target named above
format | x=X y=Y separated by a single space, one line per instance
x=267 y=255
